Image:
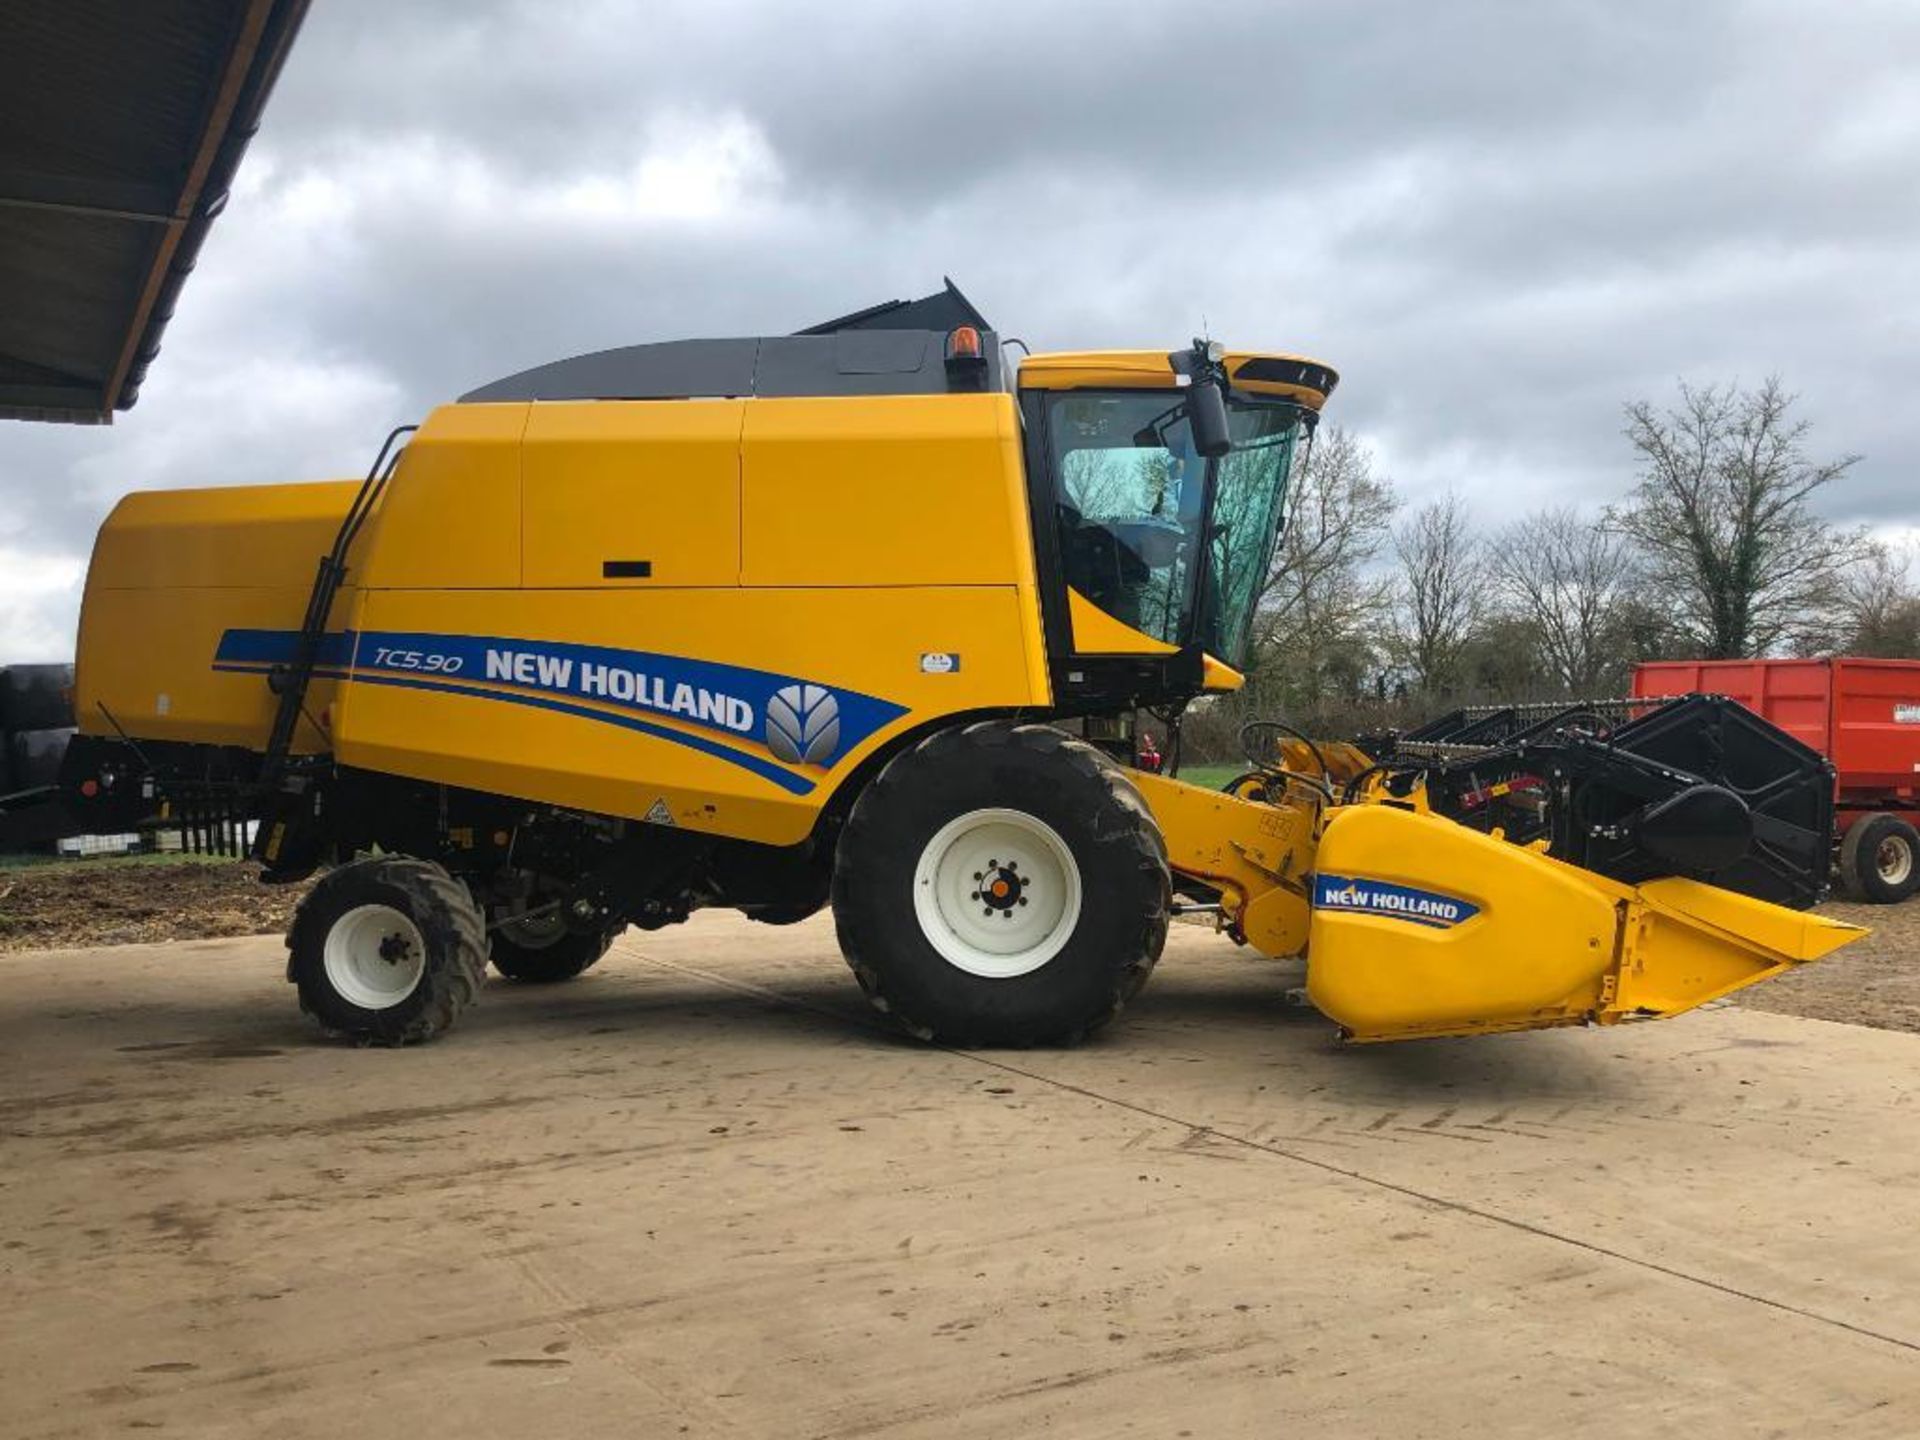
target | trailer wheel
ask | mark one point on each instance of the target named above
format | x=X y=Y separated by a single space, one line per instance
x=387 y=951
x=1880 y=859
x=541 y=950
x=1001 y=885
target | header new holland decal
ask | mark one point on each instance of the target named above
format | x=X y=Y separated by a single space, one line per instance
x=1395 y=902
x=781 y=716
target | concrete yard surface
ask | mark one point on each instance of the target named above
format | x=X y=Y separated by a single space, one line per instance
x=702 y=1191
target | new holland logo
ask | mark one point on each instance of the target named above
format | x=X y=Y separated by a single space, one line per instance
x=803 y=724
x=1394 y=902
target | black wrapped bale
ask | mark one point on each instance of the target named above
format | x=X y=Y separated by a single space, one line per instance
x=35 y=697
x=34 y=756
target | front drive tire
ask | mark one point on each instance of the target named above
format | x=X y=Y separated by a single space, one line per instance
x=387 y=951
x=1001 y=885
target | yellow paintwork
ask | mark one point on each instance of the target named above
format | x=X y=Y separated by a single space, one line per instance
x=451 y=518
x=1095 y=632
x=1147 y=370
x=1689 y=943
x=1219 y=677
x=1258 y=856
x=172 y=570
x=896 y=490
x=1551 y=944
x=632 y=480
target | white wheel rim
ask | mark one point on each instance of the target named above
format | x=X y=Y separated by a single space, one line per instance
x=997 y=893
x=374 y=956
x=1894 y=860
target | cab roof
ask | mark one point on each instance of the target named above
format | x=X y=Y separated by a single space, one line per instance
x=1294 y=376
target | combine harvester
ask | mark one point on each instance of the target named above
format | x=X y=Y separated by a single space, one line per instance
x=772 y=624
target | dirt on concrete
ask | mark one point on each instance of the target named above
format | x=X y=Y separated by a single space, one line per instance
x=137 y=901
x=1875 y=981
x=703 y=1190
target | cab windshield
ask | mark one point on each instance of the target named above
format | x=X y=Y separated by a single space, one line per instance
x=1131 y=500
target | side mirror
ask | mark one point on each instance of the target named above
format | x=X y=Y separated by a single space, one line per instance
x=1207 y=418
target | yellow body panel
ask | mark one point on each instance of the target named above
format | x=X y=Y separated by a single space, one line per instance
x=239 y=536
x=1095 y=632
x=172 y=572
x=451 y=517
x=905 y=490
x=647 y=480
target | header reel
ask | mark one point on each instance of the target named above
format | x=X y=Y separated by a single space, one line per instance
x=1698 y=787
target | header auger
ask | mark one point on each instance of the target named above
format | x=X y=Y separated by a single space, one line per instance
x=858 y=617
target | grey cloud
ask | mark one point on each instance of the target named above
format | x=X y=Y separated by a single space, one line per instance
x=1499 y=221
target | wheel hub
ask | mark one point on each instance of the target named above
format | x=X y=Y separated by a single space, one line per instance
x=1002 y=888
x=997 y=893
x=1894 y=860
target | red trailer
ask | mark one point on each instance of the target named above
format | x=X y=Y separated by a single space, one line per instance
x=1864 y=716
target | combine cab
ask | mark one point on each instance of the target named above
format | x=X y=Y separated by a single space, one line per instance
x=839 y=618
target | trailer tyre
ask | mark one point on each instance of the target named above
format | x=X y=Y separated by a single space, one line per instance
x=1880 y=859
x=387 y=951
x=543 y=951
x=1001 y=885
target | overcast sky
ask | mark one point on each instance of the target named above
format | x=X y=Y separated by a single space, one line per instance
x=1498 y=221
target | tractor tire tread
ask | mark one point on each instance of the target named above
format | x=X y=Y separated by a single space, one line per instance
x=1123 y=823
x=443 y=909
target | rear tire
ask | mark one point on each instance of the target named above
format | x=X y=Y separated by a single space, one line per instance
x=1880 y=859
x=543 y=952
x=1001 y=885
x=387 y=951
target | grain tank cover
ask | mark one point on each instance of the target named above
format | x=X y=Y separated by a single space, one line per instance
x=897 y=348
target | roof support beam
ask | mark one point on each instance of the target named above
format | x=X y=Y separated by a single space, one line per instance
x=245 y=46
x=41 y=368
x=82 y=195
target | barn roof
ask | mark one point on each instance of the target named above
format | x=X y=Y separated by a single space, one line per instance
x=121 y=129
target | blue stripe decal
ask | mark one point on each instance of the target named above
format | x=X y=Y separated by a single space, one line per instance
x=276 y=647
x=796 y=720
x=785 y=779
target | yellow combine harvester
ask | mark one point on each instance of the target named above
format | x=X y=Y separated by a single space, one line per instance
x=775 y=623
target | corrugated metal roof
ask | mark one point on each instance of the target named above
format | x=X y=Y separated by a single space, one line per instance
x=121 y=127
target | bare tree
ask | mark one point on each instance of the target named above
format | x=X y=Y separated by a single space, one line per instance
x=1881 y=606
x=1442 y=577
x=1571 y=580
x=1322 y=607
x=1721 y=515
